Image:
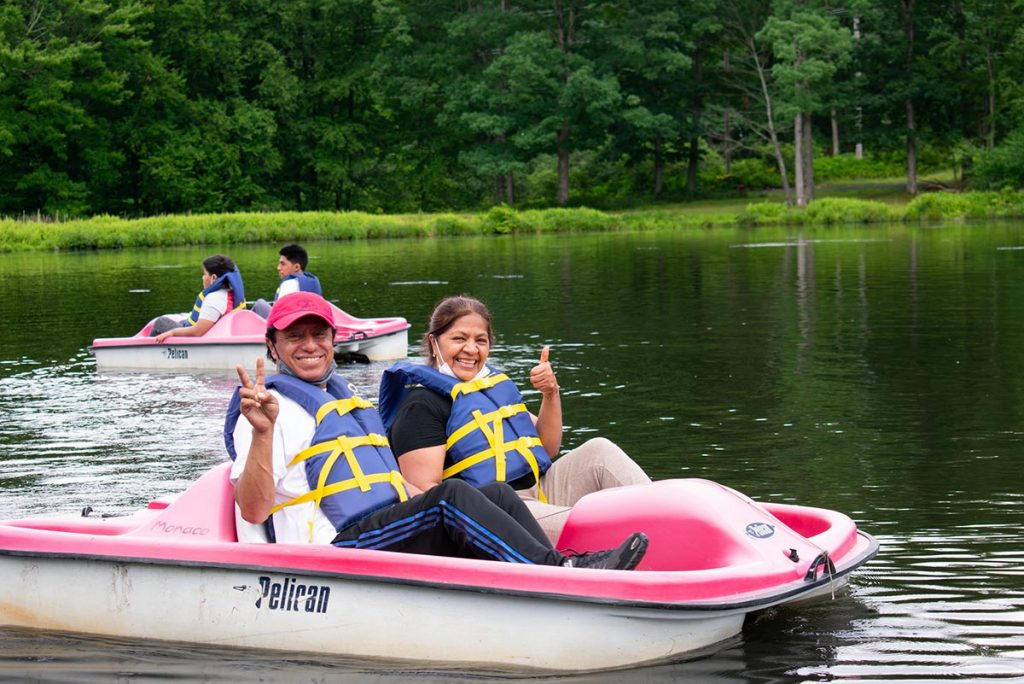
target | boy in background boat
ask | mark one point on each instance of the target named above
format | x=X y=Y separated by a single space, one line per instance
x=291 y=269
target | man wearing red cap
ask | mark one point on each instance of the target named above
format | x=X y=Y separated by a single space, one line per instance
x=312 y=460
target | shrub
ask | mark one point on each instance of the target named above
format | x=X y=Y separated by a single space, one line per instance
x=834 y=210
x=764 y=213
x=744 y=174
x=502 y=220
x=939 y=205
x=1001 y=167
x=847 y=166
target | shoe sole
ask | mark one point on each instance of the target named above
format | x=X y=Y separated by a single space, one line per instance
x=637 y=550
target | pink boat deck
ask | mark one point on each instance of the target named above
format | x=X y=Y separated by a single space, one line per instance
x=701 y=549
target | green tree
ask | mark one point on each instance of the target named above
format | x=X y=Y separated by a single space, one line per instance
x=560 y=97
x=809 y=45
x=648 y=53
x=750 y=91
x=59 y=101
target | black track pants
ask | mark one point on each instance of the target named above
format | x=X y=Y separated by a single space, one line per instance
x=456 y=519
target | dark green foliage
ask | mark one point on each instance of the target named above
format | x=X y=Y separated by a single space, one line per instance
x=145 y=107
x=847 y=166
x=1002 y=167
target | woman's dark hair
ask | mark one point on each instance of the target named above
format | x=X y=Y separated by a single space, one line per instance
x=447 y=311
x=218 y=264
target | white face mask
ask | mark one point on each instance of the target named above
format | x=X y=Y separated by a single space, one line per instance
x=444 y=369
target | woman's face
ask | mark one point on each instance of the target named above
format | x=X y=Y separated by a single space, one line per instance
x=207 y=278
x=464 y=346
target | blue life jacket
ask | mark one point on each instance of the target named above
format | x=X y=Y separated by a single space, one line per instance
x=307 y=283
x=349 y=465
x=236 y=295
x=491 y=437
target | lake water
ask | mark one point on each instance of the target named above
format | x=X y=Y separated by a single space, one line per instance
x=878 y=371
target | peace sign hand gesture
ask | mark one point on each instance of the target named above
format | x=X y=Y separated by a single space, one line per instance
x=257 y=404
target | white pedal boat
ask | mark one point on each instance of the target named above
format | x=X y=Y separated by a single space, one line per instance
x=238 y=338
x=176 y=573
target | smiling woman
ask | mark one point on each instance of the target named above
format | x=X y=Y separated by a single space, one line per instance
x=469 y=421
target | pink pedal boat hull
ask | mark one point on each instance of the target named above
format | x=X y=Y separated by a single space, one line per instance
x=238 y=338
x=176 y=573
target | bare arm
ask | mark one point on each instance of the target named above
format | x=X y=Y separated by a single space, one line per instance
x=254 y=490
x=422 y=468
x=197 y=330
x=548 y=420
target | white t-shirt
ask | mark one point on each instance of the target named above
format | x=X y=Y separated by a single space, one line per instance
x=287 y=287
x=293 y=432
x=214 y=306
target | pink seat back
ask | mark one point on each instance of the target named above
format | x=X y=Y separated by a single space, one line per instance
x=205 y=512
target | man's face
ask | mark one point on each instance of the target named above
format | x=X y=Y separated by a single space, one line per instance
x=306 y=346
x=286 y=268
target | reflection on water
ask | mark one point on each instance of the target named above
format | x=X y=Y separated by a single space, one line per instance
x=876 y=371
x=74 y=438
x=43 y=656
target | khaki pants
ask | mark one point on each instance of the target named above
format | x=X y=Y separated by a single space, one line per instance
x=594 y=465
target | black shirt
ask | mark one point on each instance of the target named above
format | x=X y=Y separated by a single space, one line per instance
x=422 y=421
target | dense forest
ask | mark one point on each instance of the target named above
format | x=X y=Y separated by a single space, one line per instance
x=144 y=107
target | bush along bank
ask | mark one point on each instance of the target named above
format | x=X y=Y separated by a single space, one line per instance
x=111 y=232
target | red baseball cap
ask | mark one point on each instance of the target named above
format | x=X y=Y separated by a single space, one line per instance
x=291 y=308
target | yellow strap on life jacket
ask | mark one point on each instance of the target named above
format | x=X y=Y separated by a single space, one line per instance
x=342 y=446
x=486 y=382
x=490 y=424
x=393 y=477
x=494 y=416
x=522 y=445
x=195 y=309
x=202 y=298
x=342 y=406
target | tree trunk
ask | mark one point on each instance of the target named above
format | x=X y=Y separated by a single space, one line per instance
x=565 y=39
x=503 y=189
x=911 y=149
x=659 y=167
x=563 y=166
x=695 y=113
x=692 y=165
x=858 y=148
x=908 y=30
x=990 y=137
x=808 y=164
x=727 y=146
x=798 y=159
x=780 y=160
x=835 y=134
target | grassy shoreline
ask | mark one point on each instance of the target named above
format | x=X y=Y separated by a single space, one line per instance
x=111 y=232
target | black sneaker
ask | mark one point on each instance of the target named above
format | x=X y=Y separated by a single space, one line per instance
x=625 y=556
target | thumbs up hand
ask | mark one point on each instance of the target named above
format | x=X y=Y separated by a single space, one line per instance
x=542 y=376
